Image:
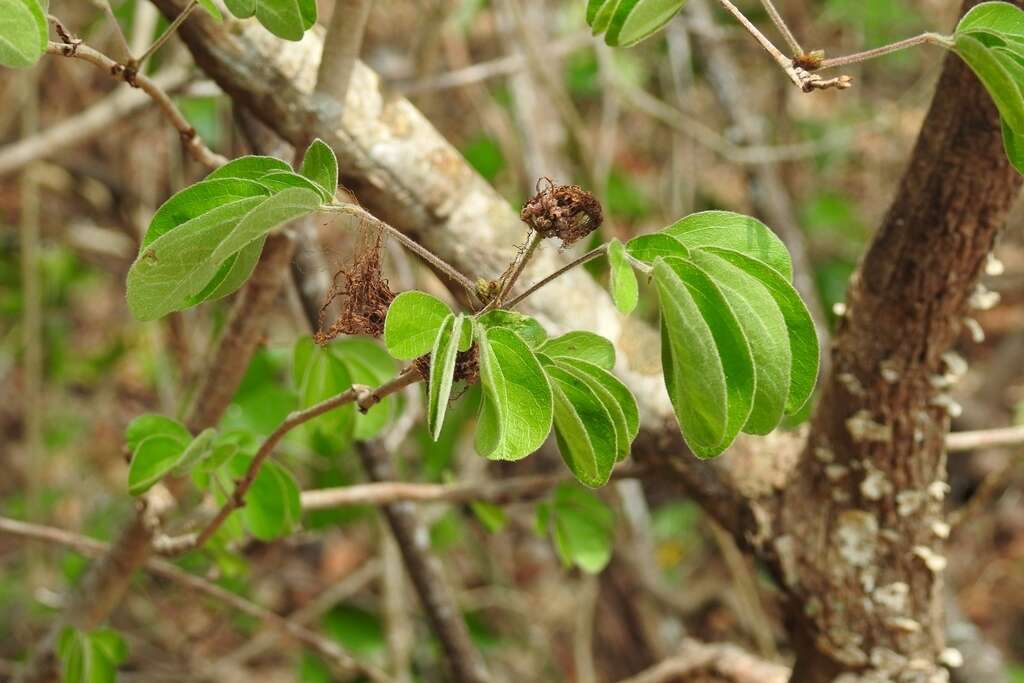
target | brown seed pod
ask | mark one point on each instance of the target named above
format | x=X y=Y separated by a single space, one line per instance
x=565 y=211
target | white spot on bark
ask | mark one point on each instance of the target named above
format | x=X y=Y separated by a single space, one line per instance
x=874 y=486
x=839 y=309
x=907 y=502
x=824 y=454
x=890 y=370
x=951 y=657
x=886 y=660
x=933 y=560
x=983 y=299
x=892 y=596
x=993 y=266
x=946 y=402
x=862 y=427
x=956 y=366
x=857 y=536
x=785 y=549
x=938 y=490
x=974 y=327
x=903 y=624
x=836 y=472
x=841 y=495
x=851 y=382
x=941 y=529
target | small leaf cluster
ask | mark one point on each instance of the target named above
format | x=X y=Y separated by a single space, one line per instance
x=531 y=384
x=739 y=349
x=627 y=22
x=161 y=446
x=288 y=19
x=23 y=32
x=204 y=242
x=90 y=656
x=581 y=526
x=990 y=38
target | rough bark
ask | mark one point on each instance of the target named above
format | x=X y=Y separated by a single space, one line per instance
x=859 y=530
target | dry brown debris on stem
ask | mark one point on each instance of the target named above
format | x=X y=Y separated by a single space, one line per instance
x=567 y=212
x=365 y=294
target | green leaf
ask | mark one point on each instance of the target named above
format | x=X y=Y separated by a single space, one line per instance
x=318 y=375
x=250 y=167
x=321 y=166
x=584 y=428
x=1014 y=146
x=623 y=285
x=23 y=33
x=490 y=515
x=196 y=200
x=995 y=75
x=611 y=385
x=368 y=364
x=180 y=263
x=442 y=372
x=154 y=458
x=281 y=180
x=243 y=9
x=997 y=17
x=733 y=231
x=272 y=506
x=288 y=19
x=412 y=323
x=110 y=643
x=646 y=248
x=145 y=426
x=199 y=449
x=583 y=345
x=765 y=329
x=212 y=9
x=523 y=325
x=90 y=657
x=635 y=20
x=516 y=406
x=732 y=346
x=584 y=528
x=803 y=338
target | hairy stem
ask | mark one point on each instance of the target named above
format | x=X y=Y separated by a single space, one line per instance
x=929 y=38
x=415 y=247
x=589 y=256
x=780 y=24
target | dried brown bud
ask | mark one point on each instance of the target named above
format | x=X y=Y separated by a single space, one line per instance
x=565 y=211
x=809 y=61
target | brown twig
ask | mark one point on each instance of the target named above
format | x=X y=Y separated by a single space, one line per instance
x=467 y=666
x=727 y=661
x=93 y=548
x=924 y=38
x=364 y=397
x=589 y=256
x=189 y=137
x=136 y=64
x=780 y=24
x=985 y=438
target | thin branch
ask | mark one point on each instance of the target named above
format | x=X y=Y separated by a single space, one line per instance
x=725 y=660
x=362 y=396
x=780 y=24
x=415 y=247
x=467 y=666
x=589 y=256
x=122 y=41
x=93 y=548
x=165 y=36
x=342 y=45
x=924 y=38
x=504 y=491
x=189 y=137
x=985 y=438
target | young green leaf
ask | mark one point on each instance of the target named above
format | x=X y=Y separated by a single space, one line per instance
x=212 y=9
x=584 y=528
x=287 y=19
x=803 y=338
x=154 y=458
x=627 y=22
x=199 y=449
x=90 y=657
x=1014 y=146
x=733 y=231
x=321 y=166
x=523 y=325
x=276 y=181
x=23 y=33
x=612 y=392
x=623 y=285
x=318 y=375
x=694 y=375
x=994 y=71
x=272 y=506
x=995 y=17
x=646 y=248
x=181 y=263
x=250 y=167
x=412 y=323
x=584 y=428
x=442 y=372
x=764 y=328
x=516 y=406
x=583 y=345
x=145 y=426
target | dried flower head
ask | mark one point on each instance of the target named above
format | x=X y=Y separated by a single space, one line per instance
x=365 y=295
x=565 y=211
x=809 y=61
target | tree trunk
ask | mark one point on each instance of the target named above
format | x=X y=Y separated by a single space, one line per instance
x=860 y=529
